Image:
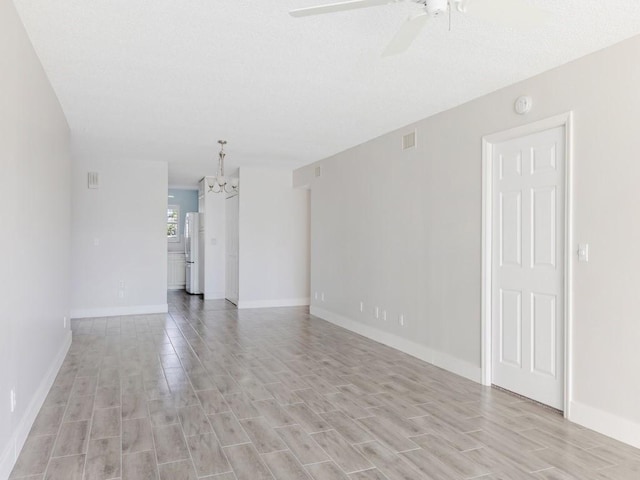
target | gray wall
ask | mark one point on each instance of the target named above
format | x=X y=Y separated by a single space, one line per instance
x=34 y=180
x=402 y=230
x=273 y=239
x=119 y=234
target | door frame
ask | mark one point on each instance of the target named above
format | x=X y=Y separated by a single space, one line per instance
x=488 y=141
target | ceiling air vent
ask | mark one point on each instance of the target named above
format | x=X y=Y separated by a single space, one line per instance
x=93 y=180
x=409 y=140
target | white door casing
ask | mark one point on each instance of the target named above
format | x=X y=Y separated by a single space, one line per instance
x=526 y=311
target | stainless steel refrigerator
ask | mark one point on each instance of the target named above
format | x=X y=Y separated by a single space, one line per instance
x=192 y=251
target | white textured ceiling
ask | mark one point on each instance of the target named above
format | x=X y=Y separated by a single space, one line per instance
x=165 y=79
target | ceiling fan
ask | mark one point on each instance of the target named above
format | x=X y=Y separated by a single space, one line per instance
x=514 y=13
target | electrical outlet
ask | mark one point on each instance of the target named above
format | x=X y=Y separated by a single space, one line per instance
x=362 y=306
x=384 y=315
x=120 y=293
x=121 y=284
x=401 y=320
x=377 y=312
x=322 y=296
x=13 y=400
x=316 y=295
x=64 y=322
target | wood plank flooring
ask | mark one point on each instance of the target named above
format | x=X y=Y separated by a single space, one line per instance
x=207 y=391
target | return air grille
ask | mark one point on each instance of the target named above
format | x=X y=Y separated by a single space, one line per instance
x=93 y=180
x=409 y=140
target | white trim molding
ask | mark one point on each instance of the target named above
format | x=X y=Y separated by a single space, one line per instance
x=563 y=120
x=289 y=302
x=613 y=426
x=118 y=311
x=434 y=357
x=16 y=442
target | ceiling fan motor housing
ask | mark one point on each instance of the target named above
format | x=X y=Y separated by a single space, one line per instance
x=436 y=8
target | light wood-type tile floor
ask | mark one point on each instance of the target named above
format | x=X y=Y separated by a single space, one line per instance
x=207 y=391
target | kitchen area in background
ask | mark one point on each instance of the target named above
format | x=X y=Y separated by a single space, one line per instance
x=179 y=203
x=196 y=240
x=249 y=245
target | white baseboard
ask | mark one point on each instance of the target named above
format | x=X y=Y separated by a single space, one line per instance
x=16 y=442
x=117 y=311
x=439 y=359
x=289 y=302
x=608 y=424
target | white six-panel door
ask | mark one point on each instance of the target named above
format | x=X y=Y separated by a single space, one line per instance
x=527 y=317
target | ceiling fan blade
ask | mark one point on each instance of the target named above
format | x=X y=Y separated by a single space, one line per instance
x=338 y=7
x=510 y=13
x=406 y=35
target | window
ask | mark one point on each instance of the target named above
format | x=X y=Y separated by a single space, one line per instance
x=173 y=217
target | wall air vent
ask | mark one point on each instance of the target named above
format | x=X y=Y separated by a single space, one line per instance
x=409 y=140
x=318 y=171
x=93 y=180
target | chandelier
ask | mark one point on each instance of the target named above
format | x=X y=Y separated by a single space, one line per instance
x=220 y=183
